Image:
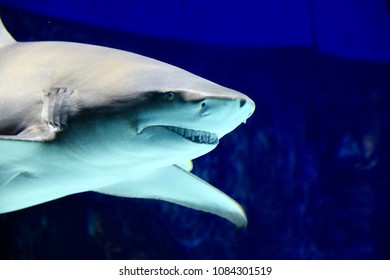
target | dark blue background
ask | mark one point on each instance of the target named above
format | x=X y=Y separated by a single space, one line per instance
x=311 y=167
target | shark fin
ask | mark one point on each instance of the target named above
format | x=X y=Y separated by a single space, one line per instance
x=179 y=186
x=5 y=37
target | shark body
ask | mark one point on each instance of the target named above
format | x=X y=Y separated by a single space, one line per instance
x=77 y=117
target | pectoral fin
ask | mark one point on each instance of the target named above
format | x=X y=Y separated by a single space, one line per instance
x=176 y=185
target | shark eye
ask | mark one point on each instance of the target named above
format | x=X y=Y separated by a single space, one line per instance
x=170 y=95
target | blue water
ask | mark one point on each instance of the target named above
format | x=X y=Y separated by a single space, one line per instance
x=310 y=167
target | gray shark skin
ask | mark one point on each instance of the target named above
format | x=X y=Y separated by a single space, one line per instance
x=77 y=118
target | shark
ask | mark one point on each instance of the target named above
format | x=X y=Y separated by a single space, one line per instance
x=77 y=118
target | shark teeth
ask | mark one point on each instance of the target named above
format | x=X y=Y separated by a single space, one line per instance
x=197 y=136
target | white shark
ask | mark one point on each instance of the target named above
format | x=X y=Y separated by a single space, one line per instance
x=77 y=117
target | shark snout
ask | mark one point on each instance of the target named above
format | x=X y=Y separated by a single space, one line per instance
x=242 y=103
x=222 y=115
x=246 y=101
x=247 y=105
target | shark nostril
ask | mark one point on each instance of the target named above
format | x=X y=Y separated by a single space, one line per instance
x=242 y=103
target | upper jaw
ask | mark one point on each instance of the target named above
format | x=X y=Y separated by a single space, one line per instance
x=188 y=134
x=196 y=136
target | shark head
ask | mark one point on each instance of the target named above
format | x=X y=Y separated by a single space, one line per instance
x=192 y=121
x=191 y=116
x=166 y=112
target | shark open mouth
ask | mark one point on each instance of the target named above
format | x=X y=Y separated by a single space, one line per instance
x=197 y=136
